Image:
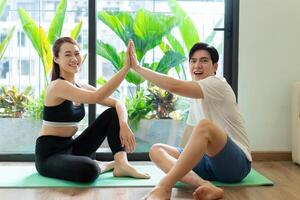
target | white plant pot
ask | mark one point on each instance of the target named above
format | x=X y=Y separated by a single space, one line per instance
x=18 y=135
x=166 y=131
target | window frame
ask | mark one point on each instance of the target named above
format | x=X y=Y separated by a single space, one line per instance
x=231 y=36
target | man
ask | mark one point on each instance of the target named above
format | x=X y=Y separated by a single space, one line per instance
x=218 y=149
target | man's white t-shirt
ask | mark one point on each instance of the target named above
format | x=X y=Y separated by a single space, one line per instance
x=219 y=106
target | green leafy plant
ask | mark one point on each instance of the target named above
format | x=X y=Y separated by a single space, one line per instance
x=5 y=42
x=42 y=41
x=13 y=102
x=162 y=101
x=147 y=30
x=34 y=107
x=137 y=105
x=137 y=108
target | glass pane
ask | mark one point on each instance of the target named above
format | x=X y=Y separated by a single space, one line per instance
x=21 y=67
x=154 y=115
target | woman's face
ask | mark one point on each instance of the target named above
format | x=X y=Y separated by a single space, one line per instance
x=69 y=58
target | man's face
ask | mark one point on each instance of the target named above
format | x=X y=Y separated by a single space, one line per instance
x=201 y=65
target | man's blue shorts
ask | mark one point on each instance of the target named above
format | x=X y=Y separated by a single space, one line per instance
x=229 y=165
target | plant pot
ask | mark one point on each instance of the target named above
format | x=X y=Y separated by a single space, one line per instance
x=18 y=135
x=153 y=131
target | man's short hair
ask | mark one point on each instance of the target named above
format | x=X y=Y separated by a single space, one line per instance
x=214 y=55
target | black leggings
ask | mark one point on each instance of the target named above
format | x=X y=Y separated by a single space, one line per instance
x=71 y=159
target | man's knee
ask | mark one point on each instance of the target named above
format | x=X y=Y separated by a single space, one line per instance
x=204 y=123
x=203 y=128
x=156 y=151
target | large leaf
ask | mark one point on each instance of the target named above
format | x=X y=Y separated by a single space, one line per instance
x=187 y=28
x=2 y=6
x=46 y=53
x=108 y=52
x=164 y=47
x=150 y=28
x=31 y=30
x=118 y=22
x=6 y=40
x=175 y=44
x=57 y=22
x=171 y=59
x=76 y=30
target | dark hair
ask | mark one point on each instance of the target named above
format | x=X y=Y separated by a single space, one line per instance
x=214 y=55
x=55 y=50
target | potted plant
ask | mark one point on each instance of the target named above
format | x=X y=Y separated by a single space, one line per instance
x=15 y=127
x=163 y=121
x=13 y=102
x=34 y=107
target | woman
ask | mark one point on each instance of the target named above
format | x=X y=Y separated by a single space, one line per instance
x=58 y=155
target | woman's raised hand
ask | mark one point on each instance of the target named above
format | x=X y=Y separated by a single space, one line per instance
x=133 y=59
x=127 y=62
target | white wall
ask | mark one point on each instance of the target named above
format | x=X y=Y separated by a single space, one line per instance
x=269 y=62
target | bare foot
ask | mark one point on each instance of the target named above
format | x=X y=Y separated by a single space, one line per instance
x=106 y=166
x=208 y=191
x=125 y=169
x=158 y=193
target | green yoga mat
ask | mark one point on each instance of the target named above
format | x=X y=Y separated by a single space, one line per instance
x=27 y=176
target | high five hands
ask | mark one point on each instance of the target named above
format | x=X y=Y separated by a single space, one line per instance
x=131 y=59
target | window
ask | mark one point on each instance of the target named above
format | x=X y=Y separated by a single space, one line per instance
x=4 y=69
x=3 y=35
x=5 y=14
x=25 y=67
x=21 y=65
x=21 y=39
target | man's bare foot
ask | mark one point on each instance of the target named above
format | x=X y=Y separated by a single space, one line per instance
x=125 y=169
x=207 y=191
x=105 y=166
x=158 y=193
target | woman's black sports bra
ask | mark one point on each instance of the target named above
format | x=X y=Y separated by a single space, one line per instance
x=64 y=114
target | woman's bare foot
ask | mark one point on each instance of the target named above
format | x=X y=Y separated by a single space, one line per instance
x=158 y=193
x=125 y=169
x=106 y=166
x=207 y=191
